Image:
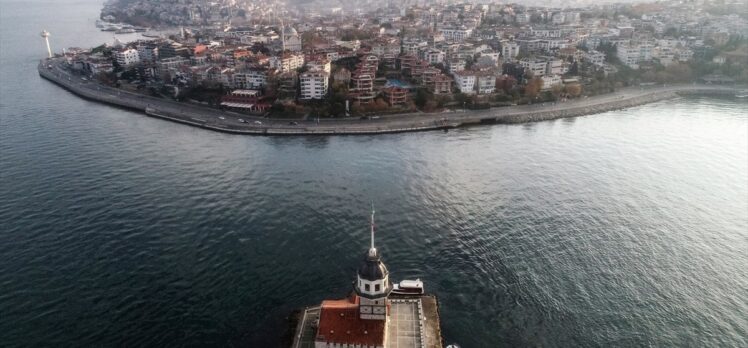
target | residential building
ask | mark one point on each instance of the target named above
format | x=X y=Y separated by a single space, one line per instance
x=394 y=95
x=148 y=52
x=313 y=85
x=631 y=54
x=485 y=82
x=383 y=46
x=456 y=65
x=287 y=62
x=595 y=57
x=554 y=66
x=362 y=90
x=465 y=81
x=341 y=76
x=433 y=56
x=319 y=64
x=127 y=57
x=536 y=66
x=549 y=81
x=456 y=34
x=509 y=49
x=251 y=79
x=440 y=84
x=522 y=18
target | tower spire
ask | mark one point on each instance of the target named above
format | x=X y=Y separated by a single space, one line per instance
x=372 y=250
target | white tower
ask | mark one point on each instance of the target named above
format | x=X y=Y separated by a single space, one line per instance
x=373 y=283
x=45 y=35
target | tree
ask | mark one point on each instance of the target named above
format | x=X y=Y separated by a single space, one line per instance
x=573 y=90
x=421 y=97
x=461 y=98
x=556 y=90
x=533 y=87
x=610 y=51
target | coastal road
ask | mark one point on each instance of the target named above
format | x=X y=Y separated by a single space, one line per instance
x=54 y=69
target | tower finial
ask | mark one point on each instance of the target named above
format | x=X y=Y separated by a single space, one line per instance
x=372 y=250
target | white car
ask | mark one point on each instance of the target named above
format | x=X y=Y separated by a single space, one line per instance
x=221 y=118
x=258 y=122
x=242 y=120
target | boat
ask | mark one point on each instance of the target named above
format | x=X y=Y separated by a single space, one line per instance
x=408 y=287
x=125 y=31
x=742 y=94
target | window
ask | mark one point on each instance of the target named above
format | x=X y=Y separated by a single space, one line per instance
x=377 y=287
x=366 y=287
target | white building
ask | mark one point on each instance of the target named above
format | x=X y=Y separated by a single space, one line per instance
x=545 y=32
x=433 y=56
x=456 y=65
x=456 y=34
x=320 y=64
x=465 y=81
x=353 y=45
x=631 y=54
x=536 y=66
x=522 y=18
x=549 y=81
x=313 y=85
x=251 y=79
x=596 y=58
x=486 y=82
x=148 y=52
x=509 y=49
x=412 y=46
x=287 y=62
x=127 y=57
x=386 y=46
x=554 y=66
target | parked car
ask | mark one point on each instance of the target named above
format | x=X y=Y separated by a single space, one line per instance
x=242 y=120
x=293 y=123
x=258 y=122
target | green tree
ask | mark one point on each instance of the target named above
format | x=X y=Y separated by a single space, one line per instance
x=421 y=98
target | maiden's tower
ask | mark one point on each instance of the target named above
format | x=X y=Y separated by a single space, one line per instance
x=377 y=313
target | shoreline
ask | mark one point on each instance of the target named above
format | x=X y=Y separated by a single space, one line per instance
x=227 y=122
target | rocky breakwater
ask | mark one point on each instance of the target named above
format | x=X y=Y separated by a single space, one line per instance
x=545 y=115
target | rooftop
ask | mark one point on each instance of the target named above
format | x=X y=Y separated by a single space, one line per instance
x=339 y=322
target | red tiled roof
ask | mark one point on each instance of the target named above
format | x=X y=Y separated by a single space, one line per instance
x=339 y=322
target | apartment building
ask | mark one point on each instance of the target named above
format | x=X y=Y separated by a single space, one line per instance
x=313 y=84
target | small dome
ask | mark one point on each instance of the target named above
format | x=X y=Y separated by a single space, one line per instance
x=372 y=268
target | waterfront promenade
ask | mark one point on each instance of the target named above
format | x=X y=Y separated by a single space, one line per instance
x=225 y=121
